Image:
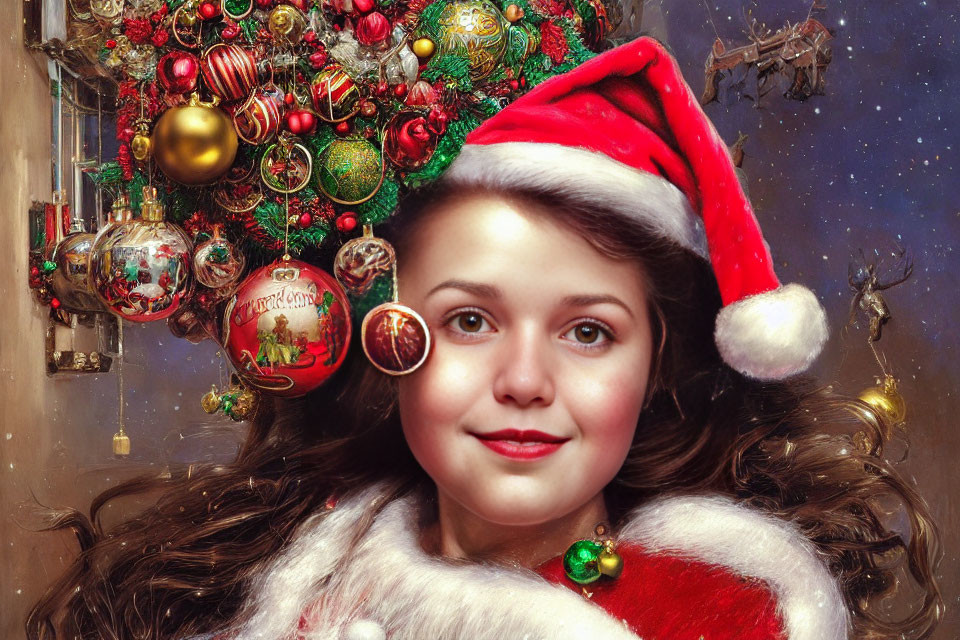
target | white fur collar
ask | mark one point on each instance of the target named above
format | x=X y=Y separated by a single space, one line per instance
x=389 y=580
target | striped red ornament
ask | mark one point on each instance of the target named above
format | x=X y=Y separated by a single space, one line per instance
x=258 y=120
x=334 y=94
x=229 y=71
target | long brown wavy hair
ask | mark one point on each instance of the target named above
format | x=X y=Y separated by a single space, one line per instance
x=181 y=567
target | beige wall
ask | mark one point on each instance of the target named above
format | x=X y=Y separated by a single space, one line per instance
x=24 y=392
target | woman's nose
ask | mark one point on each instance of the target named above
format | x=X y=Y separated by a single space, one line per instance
x=524 y=375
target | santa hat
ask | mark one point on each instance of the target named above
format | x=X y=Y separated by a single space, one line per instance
x=624 y=129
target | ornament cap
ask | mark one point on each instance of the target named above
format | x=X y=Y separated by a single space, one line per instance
x=152 y=209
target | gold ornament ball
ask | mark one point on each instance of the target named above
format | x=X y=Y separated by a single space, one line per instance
x=424 y=47
x=886 y=401
x=210 y=401
x=610 y=564
x=286 y=24
x=140 y=146
x=195 y=143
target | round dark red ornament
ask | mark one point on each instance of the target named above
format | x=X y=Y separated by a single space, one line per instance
x=287 y=328
x=395 y=338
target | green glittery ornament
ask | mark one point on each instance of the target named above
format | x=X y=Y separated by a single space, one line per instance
x=350 y=171
x=49 y=267
x=580 y=561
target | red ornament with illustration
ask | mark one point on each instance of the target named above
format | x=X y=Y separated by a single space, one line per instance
x=287 y=329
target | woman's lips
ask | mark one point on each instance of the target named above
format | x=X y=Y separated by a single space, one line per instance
x=521 y=445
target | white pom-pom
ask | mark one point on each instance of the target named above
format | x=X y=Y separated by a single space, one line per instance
x=772 y=335
x=364 y=630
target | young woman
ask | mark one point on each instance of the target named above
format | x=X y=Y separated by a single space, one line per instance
x=607 y=439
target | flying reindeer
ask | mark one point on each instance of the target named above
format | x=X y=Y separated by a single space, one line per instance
x=868 y=280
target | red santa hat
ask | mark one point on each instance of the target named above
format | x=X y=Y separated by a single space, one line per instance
x=624 y=129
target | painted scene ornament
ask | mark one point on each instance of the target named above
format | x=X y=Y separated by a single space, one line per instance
x=287 y=328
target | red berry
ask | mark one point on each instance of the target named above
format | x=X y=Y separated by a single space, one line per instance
x=309 y=36
x=34 y=272
x=382 y=88
x=110 y=44
x=289 y=98
x=55 y=302
x=305 y=220
x=514 y=85
x=343 y=128
x=347 y=222
x=264 y=4
x=400 y=90
x=523 y=81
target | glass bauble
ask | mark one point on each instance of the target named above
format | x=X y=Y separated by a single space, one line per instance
x=475 y=30
x=287 y=328
x=140 y=269
x=217 y=263
x=361 y=261
x=194 y=143
x=70 y=279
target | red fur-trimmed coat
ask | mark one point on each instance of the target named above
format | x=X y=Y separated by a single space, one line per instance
x=696 y=568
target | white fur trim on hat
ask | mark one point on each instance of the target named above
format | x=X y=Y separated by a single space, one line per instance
x=751 y=543
x=584 y=177
x=772 y=335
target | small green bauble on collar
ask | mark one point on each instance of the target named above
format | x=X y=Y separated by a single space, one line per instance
x=586 y=560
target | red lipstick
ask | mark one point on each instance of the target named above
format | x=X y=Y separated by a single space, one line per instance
x=521 y=445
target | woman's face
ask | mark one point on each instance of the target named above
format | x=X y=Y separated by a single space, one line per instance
x=527 y=404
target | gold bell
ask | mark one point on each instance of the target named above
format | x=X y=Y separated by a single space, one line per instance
x=609 y=562
x=141 y=146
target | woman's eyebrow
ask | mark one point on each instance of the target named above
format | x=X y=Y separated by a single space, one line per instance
x=476 y=288
x=587 y=299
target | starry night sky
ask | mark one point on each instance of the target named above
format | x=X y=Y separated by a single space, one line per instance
x=871 y=163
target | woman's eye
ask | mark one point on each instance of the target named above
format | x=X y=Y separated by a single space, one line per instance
x=469 y=322
x=588 y=333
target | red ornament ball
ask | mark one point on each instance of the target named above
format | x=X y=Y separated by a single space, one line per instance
x=364 y=6
x=110 y=44
x=34 y=272
x=54 y=303
x=400 y=90
x=347 y=222
x=208 y=11
x=305 y=220
x=287 y=328
x=177 y=72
